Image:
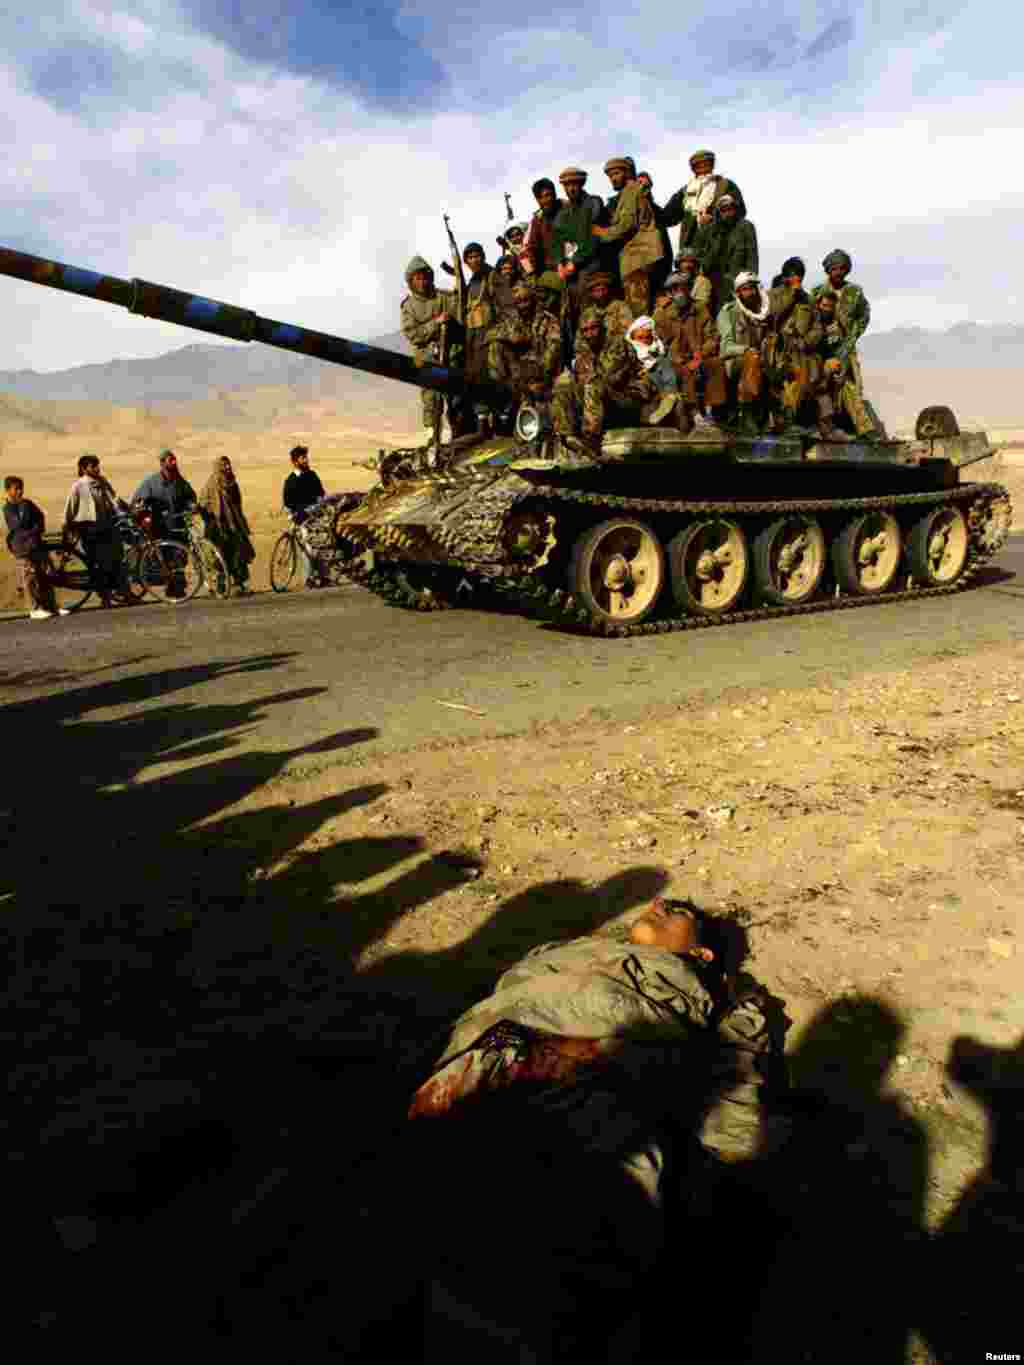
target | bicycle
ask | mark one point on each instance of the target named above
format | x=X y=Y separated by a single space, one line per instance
x=71 y=576
x=173 y=570
x=315 y=538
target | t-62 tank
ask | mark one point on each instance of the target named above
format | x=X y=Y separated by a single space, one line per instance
x=656 y=532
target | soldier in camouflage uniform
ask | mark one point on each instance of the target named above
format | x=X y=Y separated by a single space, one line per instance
x=689 y=331
x=634 y=225
x=423 y=311
x=614 y=313
x=525 y=350
x=607 y=378
x=853 y=312
x=792 y=352
x=835 y=389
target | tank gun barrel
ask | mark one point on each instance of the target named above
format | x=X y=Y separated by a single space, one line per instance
x=225 y=320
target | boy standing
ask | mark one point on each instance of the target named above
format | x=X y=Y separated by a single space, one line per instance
x=25 y=526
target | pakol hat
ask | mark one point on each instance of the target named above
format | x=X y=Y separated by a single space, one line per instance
x=571 y=173
x=702 y=155
x=794 y=266
x=599 y=277
x=837 y=257
x=620 y=163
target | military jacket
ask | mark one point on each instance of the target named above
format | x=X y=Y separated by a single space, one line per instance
x=853 y=312
x=796 y=318
x=539 y=238
x=420 y=327
x=833 y=344
x=571 y=236
x=732 y=249
x=635 y=225
x=688 y=334
x=538 y=343
x=480 y=311
x=620 y=373
x=739 y=332
x=616 y=315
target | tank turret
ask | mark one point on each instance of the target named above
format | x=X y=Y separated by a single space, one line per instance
x=226 y=320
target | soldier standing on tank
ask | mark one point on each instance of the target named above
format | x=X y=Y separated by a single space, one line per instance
x=479 y=312
x=614 y=313
x=500 y=283
x=424 y=309
x=793 y=349
x=730 y=247
x=539 y=254
x=688 y=330
x=835 y=389
x=607 y=378
x=693 y=206
x=634 y=226
x=853 y=312
x=525 y=350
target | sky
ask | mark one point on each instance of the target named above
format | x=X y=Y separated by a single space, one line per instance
x=290 y=156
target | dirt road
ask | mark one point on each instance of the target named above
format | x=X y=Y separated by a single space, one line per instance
x=275 y=786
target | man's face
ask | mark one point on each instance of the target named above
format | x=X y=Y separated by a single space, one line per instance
x=688 y=265
x=837 y=274
x=704 y=166
x=680 y=295
x=421 y=280
x=793 y=281
x=169 y=467
x=546 y=199
x=618 y=175
x=600 y=294
x=514 y=237
x=301 y=463
x=524 y=305
x=750 y=295
x=508 y=269
x=591 y=333
x=573 y=190
x=827 y=310
x=474 y=260
x=645 y=180
x=643 y=336
x=727 y=212
x=15 y=493
x=93 y=469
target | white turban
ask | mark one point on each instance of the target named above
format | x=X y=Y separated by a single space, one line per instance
x=745 y=277
x=647 y=355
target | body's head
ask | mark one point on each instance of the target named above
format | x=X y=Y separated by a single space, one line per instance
x=620 y=170
x=592 y=331
x=679 y=291
x=508 y=268
x=793 y=272
x=299 y=456
x=675 y=928
x=837 y=265
x=419 y=276
x=748 y=290
x=223 y=469
x=544 y=193
x=89 y=465
x=702 y=162
x=474 y=257
x=169 y=465
x=515 y=236
x=525 y=301
x=827 y=308
x=688 y=263
x=600 y=288
x=572 y=181
x=14 y=488
x=728 y=209
x=645 y=179
x=641 y=333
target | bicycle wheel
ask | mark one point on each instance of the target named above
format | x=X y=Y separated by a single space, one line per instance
x=284 y=562
x=214 y=569
x=130 y=588
x=70 y=578
x=170 y=572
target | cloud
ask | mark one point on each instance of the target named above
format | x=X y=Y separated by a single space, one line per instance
x=294 y=164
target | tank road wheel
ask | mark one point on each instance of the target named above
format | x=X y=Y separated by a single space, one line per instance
x=709 y=563
x=284 y=562
x=937 y=546
x=789 y=560
x=866 y=554
x=617 y=570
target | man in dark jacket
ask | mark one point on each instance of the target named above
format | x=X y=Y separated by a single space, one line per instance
x=732 y=245
x=167 y=491
x=302 y=488
x=25 y=527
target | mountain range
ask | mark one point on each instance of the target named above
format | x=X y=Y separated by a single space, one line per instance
x=200 y=371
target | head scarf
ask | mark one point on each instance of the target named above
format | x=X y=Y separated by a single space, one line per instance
x=748 y=277
x=647 y=354
x=221 y=499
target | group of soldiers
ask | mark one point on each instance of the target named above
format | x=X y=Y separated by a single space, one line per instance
x=588 y=310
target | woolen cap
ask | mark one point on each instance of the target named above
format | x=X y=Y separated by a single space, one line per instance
x=620 y=163
x=702 y=155
x=571 y=173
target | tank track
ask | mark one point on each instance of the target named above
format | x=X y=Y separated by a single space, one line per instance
x=559 y=606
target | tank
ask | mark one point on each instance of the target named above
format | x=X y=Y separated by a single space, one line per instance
x=658 y=531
